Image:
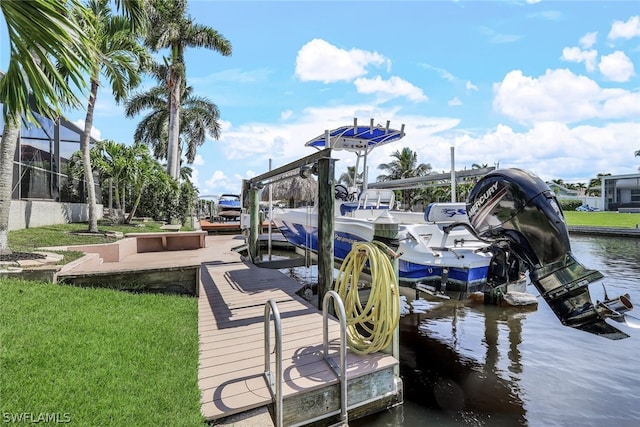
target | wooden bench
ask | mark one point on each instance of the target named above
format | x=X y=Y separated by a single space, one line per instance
x=170 y=241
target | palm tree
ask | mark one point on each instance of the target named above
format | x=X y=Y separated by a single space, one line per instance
x=405 y=165
x=131 y=168
x=199 y=119
x=348 y=177
x=119 y=58
x=637 y=154
x=463 y=190
x=442 y=193
x=171 y=28
x=558 y=183
x=145 y=172
x=116 y=161
x=594 y=185
x=153 y=129
x=39 y=31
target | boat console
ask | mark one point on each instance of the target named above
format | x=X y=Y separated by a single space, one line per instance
x=370 y=199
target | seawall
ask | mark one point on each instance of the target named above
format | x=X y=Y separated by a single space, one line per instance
x=605 y=231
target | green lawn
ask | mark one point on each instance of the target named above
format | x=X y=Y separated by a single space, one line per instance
x=70 y=234
x=602 y=219
x=110 y=358
x=98 y=357
x=29 y=239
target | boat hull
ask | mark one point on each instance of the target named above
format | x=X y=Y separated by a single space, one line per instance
x=445 y=271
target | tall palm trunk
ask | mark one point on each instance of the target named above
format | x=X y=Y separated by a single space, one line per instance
x=134 y=208
x=173 y=164
x=7 y=153
x=86 y=158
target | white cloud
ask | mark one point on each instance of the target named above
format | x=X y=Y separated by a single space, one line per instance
x=225 y=125
x=470 y=86
x=454 y=102
x=445 y=74
x=546 y=147
x=95 y=133
x=616 y=67
x=575 y=54
x=252 y=140
x=553 y=149
x=499 y=38
x=198 y=160
x=388 y=89
x=217 y=180
x=319 y=60
x=560 y=95
x=588 y=40
x=285 y=115
x=625 y=30
x=549 y=15
x=233 y=75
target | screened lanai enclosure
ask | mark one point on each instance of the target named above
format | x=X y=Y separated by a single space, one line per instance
x=41 y=175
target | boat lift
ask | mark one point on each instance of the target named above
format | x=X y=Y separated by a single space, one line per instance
x=360 y=139
x=323 y=164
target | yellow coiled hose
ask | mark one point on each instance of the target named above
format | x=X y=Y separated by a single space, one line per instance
x=369 y=328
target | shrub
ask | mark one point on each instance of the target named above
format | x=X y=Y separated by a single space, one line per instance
x=570 y=204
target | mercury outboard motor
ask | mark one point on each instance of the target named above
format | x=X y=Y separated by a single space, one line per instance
x=517 y=207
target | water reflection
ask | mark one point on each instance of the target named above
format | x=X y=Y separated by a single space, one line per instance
x=614 y=257
x=453 y=364
x=477 y=365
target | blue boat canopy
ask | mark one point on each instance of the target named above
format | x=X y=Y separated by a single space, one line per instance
x=356 y=138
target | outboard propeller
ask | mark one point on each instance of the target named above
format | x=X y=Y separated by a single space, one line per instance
x=616 y=309
x=517 y=207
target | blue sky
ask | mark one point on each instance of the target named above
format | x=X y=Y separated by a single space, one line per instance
x=551 y=87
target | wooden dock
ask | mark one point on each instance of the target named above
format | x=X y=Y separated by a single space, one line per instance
x=219 y=227
x=232 y=301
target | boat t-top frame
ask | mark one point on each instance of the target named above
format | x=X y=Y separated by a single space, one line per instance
x=358 y=139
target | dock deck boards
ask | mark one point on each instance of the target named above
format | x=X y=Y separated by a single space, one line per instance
x=231 y=305
x=231 y=302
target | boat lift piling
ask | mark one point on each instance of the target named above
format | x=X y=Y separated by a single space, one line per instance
x=324 y=165
x=326 y=204
x=385 y=390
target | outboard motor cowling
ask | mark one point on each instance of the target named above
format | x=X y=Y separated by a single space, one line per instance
x=520 y=206
x=517 y=206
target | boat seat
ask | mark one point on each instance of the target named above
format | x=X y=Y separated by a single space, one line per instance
x=370 y=199
x=446 y=212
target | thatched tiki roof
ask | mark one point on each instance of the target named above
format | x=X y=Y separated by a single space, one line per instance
x=296 y=191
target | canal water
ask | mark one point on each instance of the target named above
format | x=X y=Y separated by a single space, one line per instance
x=477 y=365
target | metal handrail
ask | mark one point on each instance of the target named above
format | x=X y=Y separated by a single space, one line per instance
x=273 y=383
x=340 y=371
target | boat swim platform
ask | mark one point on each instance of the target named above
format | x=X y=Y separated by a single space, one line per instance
x=231 y=307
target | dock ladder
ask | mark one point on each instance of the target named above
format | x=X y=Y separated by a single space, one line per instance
x=274 y=380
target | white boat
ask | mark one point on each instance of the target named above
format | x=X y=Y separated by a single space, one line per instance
x=229 y=206
x=433 y=250
x=511 y=225
x=449 y=259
